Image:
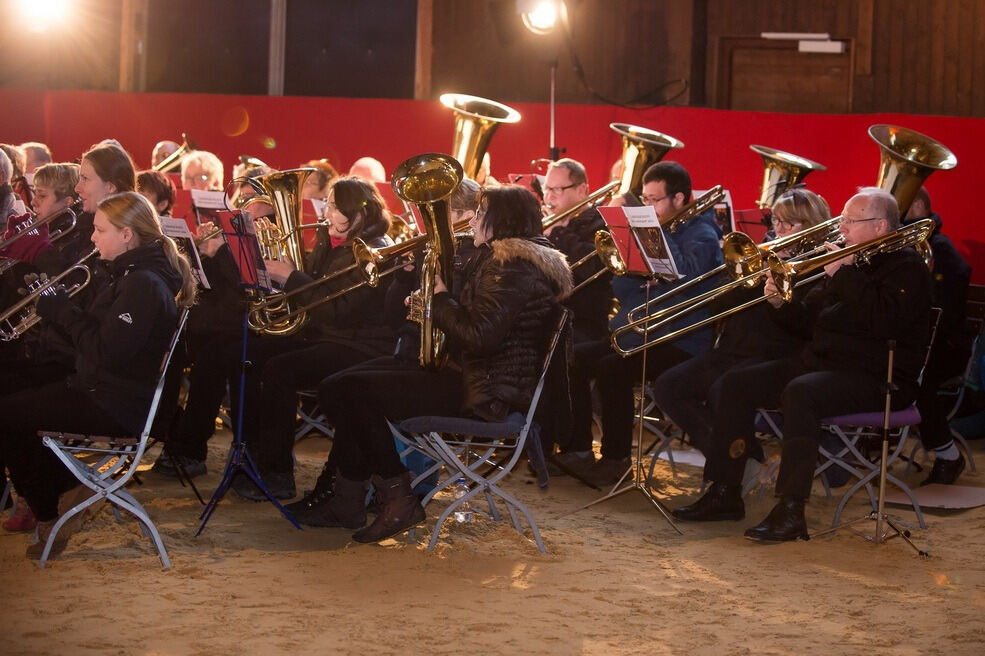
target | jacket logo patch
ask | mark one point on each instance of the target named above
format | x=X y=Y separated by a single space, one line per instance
x=126 y=317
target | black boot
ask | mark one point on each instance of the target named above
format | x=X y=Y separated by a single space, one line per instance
x=720 y=502
x=324 y=489
x=401 y=509
x=784 y=523
x=346 y=507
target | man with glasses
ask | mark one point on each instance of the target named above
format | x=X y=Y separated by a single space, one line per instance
x=695 y=249
x=855 y=310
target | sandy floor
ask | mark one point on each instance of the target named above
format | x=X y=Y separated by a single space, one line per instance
x=617 y=580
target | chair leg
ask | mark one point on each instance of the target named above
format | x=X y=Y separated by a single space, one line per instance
x=137 y=510
x=965 y=447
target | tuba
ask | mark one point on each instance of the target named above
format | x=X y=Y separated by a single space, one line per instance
x=641 y=147
x=173 y=161
x=476 y=120
x=781 y=171
x=282 y=190
x=427 y=181
x=906 y=158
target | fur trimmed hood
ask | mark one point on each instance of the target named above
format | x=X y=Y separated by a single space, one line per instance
x=550 y=261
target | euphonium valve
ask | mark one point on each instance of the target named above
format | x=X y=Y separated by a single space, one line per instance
x=427 y=181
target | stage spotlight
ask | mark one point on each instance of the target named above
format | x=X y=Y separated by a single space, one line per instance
x=540 y=16
x=40 y=15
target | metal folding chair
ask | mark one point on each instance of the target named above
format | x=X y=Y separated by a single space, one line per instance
x=117 y=459
x=473 y=449
x=310 y=416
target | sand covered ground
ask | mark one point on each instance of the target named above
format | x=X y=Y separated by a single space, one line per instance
x=617 y=580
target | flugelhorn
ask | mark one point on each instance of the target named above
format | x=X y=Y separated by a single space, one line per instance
x=641 y=147
x=427 y=181
x=781 y=171
x=476 y=120
x=23 y=315
x=173 y=161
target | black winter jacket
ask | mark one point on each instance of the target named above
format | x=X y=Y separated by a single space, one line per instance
x=590 y=304
x=509 y=302
x=120 y=337
x=860 y=309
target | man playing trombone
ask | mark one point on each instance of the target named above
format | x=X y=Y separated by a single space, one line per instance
x=861 y=303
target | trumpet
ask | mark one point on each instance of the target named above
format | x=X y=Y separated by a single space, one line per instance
x=27 y=228
x=599 y=193
x=23 y=315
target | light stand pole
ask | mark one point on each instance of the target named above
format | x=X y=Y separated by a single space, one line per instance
x=555 y=152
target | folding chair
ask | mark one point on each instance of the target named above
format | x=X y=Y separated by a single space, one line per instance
x=471 y=445
x=118 y=459
x=310 y=416
x=852 y=430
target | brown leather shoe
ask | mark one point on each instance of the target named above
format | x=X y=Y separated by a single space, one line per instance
x=401 y=510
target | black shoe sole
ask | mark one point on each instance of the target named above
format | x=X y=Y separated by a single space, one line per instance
x=770 y=539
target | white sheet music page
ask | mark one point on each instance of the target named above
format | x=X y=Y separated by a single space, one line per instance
x=652 y=241
x=177 y=230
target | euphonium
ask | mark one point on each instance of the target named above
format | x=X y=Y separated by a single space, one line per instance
x=427 y=181
x=22 y=315
x=476 y=120
x=641 y=147
x=173 y=161
x=906 y=158
x=282 y=190
x=781 y=171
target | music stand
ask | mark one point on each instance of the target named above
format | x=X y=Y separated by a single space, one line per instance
x=239 y=459
x=894 y=528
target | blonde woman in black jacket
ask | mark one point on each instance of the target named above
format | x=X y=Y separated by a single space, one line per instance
x=118 y=340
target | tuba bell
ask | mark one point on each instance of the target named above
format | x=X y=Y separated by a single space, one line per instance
x=427 y=181
x=641 y=147
x=282 y=190
x=476 y=120
x=781 y=171
x=906 y=159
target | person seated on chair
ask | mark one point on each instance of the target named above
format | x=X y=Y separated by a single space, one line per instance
x=201 y=170
x=508 y=304
x=338 y=333
x=567 y=187
x=368 y=168
x=158 y=189
x=857 y=308
x=119 y=341
x=36 y=155
x=162 y=150
x=695 y=248
x=687 y=394
x=951 y=348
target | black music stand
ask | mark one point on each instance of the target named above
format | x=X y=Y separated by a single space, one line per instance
x=638 y=477
x=239 y=459
x=894 y=528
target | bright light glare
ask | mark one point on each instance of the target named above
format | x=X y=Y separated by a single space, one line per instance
x=542 y=18
x=39 y=15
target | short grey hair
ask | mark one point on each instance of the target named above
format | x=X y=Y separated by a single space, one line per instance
x=885 y=205
x=6 y=168
x=466 y=196
x=576 y=171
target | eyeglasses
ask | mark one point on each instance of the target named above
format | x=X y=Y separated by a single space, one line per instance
x=652 y=200
x=789 y=225
x=557 y=190
x=480 y=211
x=848 y=221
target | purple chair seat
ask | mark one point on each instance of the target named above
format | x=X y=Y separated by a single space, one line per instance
x=897 y=419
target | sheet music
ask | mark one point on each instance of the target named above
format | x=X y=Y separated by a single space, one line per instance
x=724 y=214
x=178 y=230
x=651 y=240
x=242 y=240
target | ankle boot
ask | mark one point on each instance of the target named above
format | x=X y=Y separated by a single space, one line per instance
x=401 y=509
x=346 y=507
x=720 y=502
x=324 y=489
x=784 y=523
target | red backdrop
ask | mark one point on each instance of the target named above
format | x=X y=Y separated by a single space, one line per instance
x=288 y=131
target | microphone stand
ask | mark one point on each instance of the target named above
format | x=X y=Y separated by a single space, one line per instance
x=239 y=459
x=638 y=478
x=893 y=528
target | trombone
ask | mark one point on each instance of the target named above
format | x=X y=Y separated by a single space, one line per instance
x=788 y=276
x=23 y=315
x=173 y=161
x=599 y=193
x=605 y=250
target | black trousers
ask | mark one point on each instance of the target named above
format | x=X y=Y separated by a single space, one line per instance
x=36 y=472
x=688 y=393
x=360 y=399
x=615 y=377
x=945 y=363
x=805 y=397
x=282 y=376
